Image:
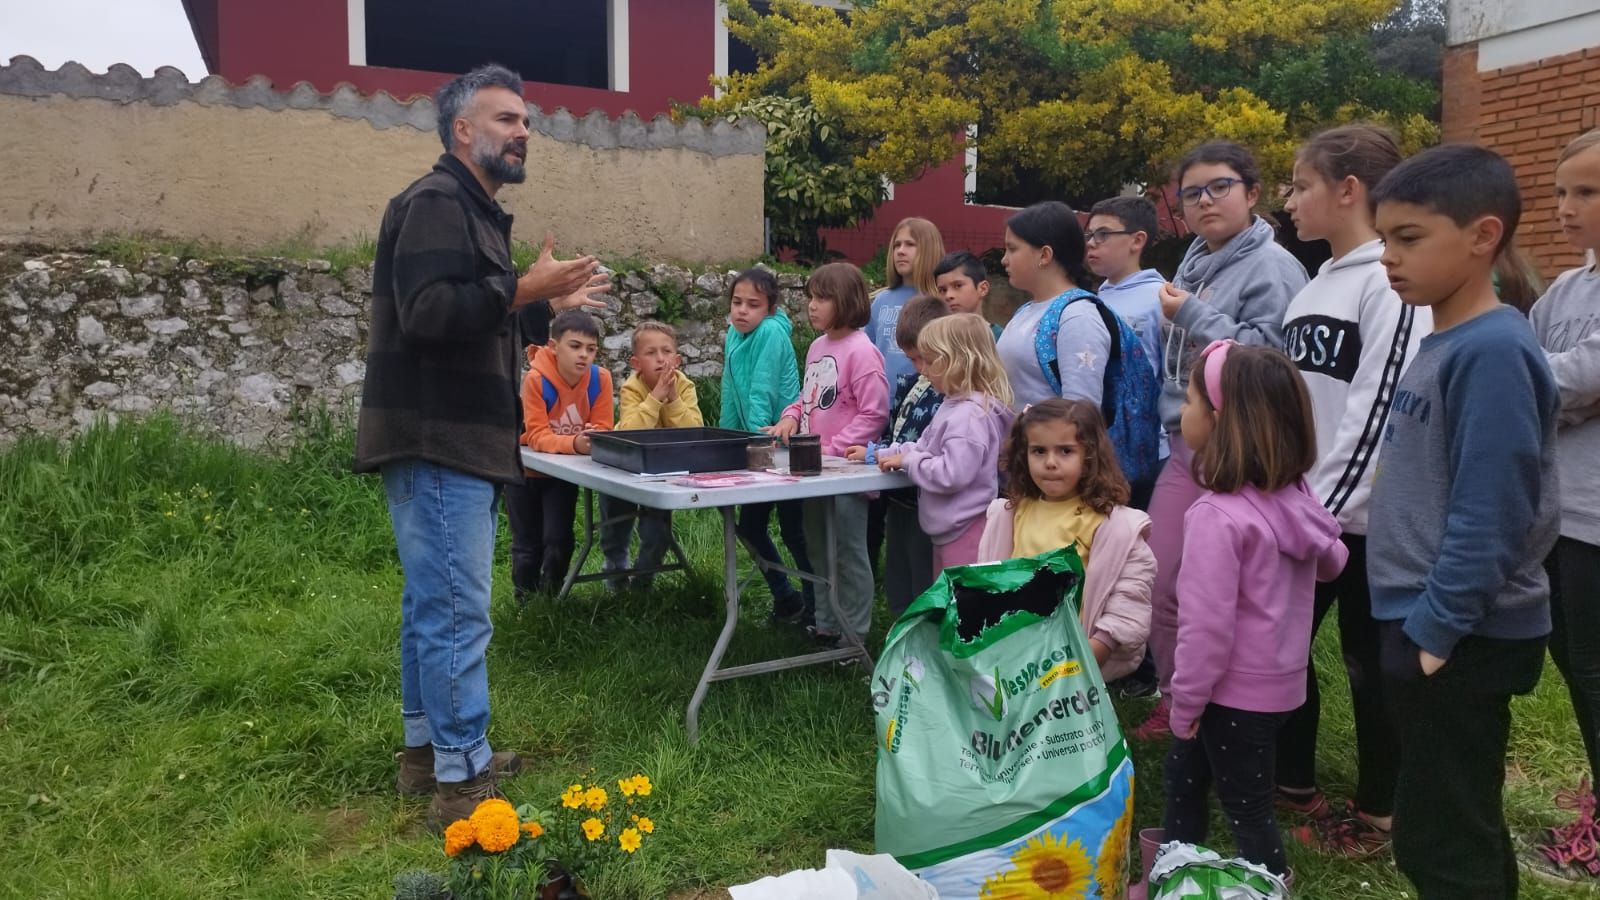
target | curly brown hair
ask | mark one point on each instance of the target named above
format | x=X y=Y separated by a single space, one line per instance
x=1101 y=486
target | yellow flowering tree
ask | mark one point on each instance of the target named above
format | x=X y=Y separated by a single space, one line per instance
x=1082 y=95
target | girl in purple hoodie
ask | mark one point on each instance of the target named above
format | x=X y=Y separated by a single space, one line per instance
x=954 y=464
x=1255 y=545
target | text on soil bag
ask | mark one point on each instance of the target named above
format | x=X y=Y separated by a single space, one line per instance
x=1079 y=703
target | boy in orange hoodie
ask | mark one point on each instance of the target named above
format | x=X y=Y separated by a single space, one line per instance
x=565 y=396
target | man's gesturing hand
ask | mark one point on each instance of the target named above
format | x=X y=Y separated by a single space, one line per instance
x=550 y=277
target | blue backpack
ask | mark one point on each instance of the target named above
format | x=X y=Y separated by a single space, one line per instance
x=548 y=390
x=1130 y=392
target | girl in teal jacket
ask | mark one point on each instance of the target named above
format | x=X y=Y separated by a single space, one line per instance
x=761 y=376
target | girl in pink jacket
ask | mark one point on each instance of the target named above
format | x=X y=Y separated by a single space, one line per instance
x=1064 y=487
x=1255 y=545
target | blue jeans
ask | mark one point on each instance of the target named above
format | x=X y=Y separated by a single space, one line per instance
x=444 y=523
x=752 y=529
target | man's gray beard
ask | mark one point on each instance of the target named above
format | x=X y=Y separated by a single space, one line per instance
x=494 y=164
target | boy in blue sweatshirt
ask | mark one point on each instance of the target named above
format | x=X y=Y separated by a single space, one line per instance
x=1464 y=510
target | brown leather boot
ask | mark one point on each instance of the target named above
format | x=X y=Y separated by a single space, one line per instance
x=455 y=800
x=416 y=768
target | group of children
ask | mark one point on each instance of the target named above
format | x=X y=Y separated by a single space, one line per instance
x=1386 y=435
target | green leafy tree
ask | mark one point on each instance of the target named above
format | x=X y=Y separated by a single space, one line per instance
x=812 y=180
x=1079 y=95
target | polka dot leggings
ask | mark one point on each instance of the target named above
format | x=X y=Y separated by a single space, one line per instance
x=1235 y=750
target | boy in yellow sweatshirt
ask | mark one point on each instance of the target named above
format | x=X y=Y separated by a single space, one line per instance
x=656 y=395
x=565 y=396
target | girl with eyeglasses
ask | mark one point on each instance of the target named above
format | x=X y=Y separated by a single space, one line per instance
x=1235 y=282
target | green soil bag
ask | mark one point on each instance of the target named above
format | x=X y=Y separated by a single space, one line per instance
x=1002 y=772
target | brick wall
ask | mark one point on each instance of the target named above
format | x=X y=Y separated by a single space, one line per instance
x=1527 y=113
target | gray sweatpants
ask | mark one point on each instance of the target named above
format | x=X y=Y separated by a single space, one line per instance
x=854 y=569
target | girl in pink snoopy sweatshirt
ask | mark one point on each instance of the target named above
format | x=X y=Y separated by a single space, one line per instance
x=1255 y=545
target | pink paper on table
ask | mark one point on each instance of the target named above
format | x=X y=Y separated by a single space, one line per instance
x=731 y=479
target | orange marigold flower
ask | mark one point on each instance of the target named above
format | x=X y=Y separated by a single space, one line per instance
x=495 y=823
x=629 y=840
x=533 y=830
x=459 y=836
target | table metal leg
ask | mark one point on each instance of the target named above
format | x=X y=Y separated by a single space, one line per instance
x=730 y=582
x=585 y=500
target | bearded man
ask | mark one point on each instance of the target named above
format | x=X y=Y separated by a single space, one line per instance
x=440 y=419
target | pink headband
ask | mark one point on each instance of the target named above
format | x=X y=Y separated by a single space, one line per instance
x=1213 y=369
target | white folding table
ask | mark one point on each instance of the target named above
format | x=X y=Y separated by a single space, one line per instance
x=838 y=477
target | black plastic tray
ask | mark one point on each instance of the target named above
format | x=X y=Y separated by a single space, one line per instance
x=658 y=451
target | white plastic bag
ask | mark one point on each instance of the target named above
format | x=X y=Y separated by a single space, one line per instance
x=846 y=876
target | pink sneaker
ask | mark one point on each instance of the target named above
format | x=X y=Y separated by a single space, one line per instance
x=1158 y=725
x=1570 y=852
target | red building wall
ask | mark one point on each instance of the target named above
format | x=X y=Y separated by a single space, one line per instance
x=938 y=196
x=669 y=54
x=1527 y=113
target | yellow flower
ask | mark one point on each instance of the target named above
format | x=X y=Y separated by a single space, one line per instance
x=495 y=823
x=1046 y=869
x=1111 y=869
x=646 y=826
x=458 y=837
x=533 y=830
x=573 y=798
x=629 y=840
x=626 y=786
x=595 y=798
x=593 y=828
x=641 y=785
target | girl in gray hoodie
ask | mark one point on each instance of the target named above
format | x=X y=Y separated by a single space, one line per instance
x=1234 y=282
x=1567 y=322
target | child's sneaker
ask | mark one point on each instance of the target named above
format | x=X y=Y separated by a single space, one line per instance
x=1346 y=833
x=788 y=609
x=1158 y=725
x=826 y=640
x=1134 y=688
x=1571 y=852
x=1312 y=804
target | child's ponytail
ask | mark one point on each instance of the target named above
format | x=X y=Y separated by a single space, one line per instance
x=1363 y=150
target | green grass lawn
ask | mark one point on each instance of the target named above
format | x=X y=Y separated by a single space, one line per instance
x=199 y=695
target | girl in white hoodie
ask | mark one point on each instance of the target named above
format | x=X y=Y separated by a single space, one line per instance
x=1351 y=337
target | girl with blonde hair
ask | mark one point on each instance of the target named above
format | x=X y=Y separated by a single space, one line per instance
x=954 y=462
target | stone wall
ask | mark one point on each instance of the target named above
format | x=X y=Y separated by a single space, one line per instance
x=239 y=346
x=250 y=165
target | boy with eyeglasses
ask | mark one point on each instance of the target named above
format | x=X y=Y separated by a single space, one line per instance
x=1119 y=230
